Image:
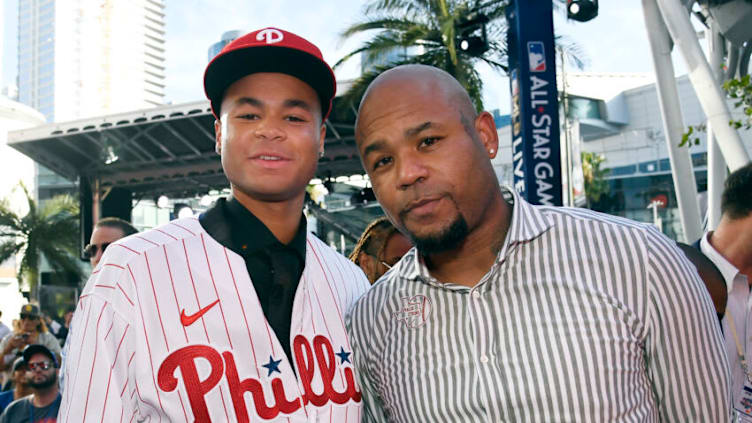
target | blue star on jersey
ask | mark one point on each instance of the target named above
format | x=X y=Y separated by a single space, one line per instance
x=272 y=366
x=343 y=356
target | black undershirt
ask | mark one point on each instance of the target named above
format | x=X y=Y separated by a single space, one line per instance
x=275 y=268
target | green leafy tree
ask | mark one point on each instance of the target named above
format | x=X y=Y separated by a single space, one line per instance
x=50 y=231
x=430 y=29
x=740 y=90
x=596 y=185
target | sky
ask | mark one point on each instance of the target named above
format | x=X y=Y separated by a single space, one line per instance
x=615 y=41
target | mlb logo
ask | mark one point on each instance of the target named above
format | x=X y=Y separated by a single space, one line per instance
x=536 y=56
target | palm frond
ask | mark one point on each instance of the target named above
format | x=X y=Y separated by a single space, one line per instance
x=573 y=52
x=407 y=7
x=396 y=24
x=9 y=249
x=434 y=26
x=49 y=231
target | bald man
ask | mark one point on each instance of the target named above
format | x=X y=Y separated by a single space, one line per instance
x=508 y=311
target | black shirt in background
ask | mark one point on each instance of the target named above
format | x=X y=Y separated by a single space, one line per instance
x=275 y=268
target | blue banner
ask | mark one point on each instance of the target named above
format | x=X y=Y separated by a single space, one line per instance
x=535 y=110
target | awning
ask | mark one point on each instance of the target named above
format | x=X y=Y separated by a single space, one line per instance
x=168 y=150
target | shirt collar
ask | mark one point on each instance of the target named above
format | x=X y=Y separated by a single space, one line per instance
x=249 y=235
x=728 y=270
x=528 y=222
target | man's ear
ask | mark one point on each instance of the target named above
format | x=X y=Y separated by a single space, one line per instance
x=486 y=129
x=218 y=136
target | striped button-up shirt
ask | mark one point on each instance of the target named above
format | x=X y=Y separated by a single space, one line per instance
x=583 y=317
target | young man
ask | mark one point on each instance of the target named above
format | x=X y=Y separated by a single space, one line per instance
x=41 y=375
x=729 y=247
x=106 y=231
x=507 y=311
x=236 y=316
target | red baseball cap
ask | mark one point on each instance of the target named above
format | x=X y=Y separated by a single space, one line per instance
x=269 y=50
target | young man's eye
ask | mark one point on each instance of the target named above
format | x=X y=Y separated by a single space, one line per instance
x=248 y=116
x=295 y=119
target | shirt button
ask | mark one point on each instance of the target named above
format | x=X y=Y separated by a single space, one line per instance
x=484 y=359
x=476 y=294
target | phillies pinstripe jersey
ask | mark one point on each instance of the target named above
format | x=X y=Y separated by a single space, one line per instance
x=169 y=328
x=583 y=317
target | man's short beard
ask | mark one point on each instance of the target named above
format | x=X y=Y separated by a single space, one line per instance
x=447 y=240
x=46 y=383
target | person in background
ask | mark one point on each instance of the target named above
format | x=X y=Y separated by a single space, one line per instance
x=711 y=277
x=19 y=385
x=729 y=247
x=31 y=330
x=106 y=231
x=41 y=374
x=62 y=334
x=380 y=247
x=4 y=329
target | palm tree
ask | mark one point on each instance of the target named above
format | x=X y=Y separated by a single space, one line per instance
x=50 y=231
x=596 y=184
x=431 y=28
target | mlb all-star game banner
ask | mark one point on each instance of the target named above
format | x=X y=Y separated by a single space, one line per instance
x=535 y=109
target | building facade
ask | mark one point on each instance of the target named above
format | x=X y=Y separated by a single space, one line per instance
x=83 y=58
x=619 y=117
x=227 y=38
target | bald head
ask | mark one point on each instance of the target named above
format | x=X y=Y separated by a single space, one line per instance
x=418 y=79
x=428 y=155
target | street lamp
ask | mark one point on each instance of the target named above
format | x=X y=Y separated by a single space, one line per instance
x=472 y=39
x=582 y=10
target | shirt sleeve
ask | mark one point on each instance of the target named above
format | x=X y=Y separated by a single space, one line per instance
x=97 y=382
x=684 y=348
x=373 y=408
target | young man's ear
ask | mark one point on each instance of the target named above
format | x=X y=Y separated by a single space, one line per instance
x=322 y=139
x=218 y=136
x=486 y=128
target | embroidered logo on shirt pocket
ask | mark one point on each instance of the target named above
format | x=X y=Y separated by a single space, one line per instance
x=414 y=312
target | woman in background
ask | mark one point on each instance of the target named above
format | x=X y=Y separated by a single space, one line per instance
x=380 y=247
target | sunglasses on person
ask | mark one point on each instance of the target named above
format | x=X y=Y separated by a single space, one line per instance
x=92 y=249
x=39 y=365
x=28 y=317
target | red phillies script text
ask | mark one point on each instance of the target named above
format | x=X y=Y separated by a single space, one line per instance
x=310 y=359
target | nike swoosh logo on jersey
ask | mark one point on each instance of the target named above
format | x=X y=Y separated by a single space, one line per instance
x=189 y=320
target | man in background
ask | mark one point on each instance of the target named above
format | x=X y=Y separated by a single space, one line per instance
x=19 y=386
x=41 y=373
x=106 y=231
x=729 y=247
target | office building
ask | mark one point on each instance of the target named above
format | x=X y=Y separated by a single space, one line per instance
x=83 y=58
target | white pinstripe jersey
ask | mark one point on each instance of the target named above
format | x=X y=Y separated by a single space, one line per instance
x=169 y=328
